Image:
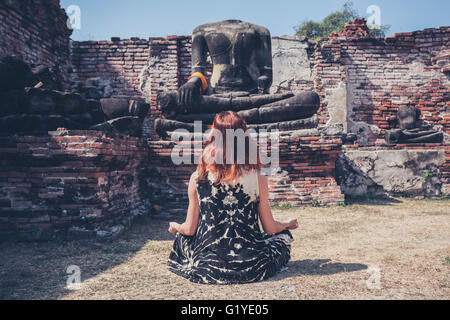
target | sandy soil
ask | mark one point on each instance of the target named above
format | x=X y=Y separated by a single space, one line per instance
x=397 y=249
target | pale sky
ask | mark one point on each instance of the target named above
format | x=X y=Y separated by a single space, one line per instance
x=103 y=19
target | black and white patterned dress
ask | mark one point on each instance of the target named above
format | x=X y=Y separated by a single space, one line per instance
x=228 y=246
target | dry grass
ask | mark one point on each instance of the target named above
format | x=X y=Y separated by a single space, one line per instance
x=409 y=240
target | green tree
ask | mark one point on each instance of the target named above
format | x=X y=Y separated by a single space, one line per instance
x=334 y=22
x=379 y=32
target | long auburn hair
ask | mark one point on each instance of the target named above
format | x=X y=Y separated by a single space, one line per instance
x=226 y=172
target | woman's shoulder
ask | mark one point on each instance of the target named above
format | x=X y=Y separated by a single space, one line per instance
x=207 y=176
x=194 y=175
x=261 y=177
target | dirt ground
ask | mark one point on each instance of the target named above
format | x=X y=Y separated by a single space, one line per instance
x=398 y=249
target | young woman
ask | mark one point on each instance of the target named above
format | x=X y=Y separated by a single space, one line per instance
x=221 y=242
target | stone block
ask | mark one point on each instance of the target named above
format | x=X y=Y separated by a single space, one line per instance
x=372 y=173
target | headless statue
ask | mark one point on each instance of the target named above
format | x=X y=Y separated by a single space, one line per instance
x=241 y=55
x=410 y=130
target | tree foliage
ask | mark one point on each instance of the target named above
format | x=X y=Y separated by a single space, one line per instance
x=334 y=22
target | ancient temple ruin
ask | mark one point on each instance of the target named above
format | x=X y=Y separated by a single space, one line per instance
x=94 y=181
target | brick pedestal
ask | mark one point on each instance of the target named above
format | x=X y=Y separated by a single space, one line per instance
x=72 y=184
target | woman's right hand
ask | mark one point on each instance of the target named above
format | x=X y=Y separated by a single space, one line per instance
x=173 y=227
x=292 y=225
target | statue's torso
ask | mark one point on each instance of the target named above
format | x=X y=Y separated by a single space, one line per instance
x=233 y=46
x=408 y=118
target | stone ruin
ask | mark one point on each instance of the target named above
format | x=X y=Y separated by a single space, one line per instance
x=31 y=103
x=80 y=156
x=411 y=129
x=242 y=75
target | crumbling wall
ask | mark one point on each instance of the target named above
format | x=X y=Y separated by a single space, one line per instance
x=145 y=68
x=72 y=185
x=37 y=31
x=115 y=65
x=292 y=64
x=418 y=170
x=363 y=81
x=305 y=175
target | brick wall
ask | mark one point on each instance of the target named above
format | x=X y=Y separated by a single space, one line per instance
x=77 y=184
x=85 y=184
x=305 y=175
x=37 y=31
x=118 y=61
x=371 y=78
x=165 y=71
x=71 y=184
x=362 y=81
x=307 y=171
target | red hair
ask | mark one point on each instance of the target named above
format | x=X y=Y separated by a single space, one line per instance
x=226 y=172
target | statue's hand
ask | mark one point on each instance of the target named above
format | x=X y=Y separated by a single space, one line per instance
x=263 y=83
x=189 y=92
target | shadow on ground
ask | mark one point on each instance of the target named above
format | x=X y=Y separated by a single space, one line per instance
x=382 y=201
x=318 y=267
x=39 y=270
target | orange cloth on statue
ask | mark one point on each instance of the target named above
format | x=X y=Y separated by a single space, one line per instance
x=202 y=77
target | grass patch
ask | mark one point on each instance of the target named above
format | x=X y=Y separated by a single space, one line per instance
x=282 y=206
x=427 y=175
x=404 y=238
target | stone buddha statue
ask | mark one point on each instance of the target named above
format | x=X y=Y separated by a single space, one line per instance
x=410 y=129
x=241 y=56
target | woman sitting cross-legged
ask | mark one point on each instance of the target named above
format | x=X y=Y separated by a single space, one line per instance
x=221 y=242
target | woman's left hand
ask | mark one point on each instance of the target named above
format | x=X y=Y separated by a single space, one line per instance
x=173 y=227
x=293 y=224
